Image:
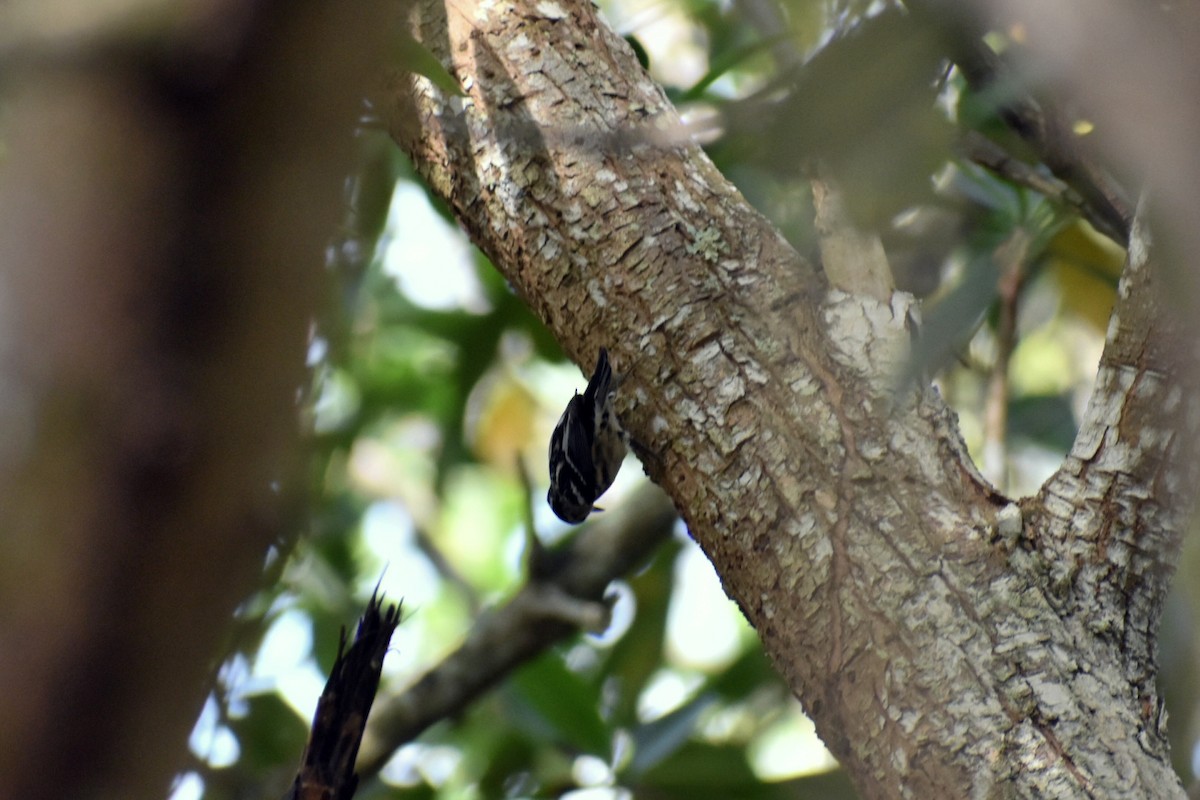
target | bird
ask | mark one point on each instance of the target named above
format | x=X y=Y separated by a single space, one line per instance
x=587 y=447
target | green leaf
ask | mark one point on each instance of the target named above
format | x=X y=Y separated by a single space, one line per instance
x=639 y=653
x=509 y=755
x=374 y=184
x=700 y=770
x=657 y=740
x=416 y=57
x=729 y=61
x=952 y=320
x=831 y=785
x=642 y=56
x=1047 y=420
x=865 y=105
x=564 y=704
x=271 y=732
x=379 y=790
x=743 y=677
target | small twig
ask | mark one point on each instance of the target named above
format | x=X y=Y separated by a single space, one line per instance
x=445 y=569
x=1011 y=257
x=534 y=557
x=977 y=148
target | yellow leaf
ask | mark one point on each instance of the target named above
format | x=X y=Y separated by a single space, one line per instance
x=505 y=424
x=1086 y=265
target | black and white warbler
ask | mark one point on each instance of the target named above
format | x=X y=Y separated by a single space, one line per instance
x=587 y=447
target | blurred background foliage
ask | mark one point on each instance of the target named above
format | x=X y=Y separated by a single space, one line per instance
x=430 y=379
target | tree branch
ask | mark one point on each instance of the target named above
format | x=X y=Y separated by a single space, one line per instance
x=1110 y=519
x=976 y=147
x=882 y=573
x=1010 y=258
x=1041 y=124
x=544 y=612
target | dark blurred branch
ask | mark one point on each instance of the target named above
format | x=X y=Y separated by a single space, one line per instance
x=979 y=149
x=327 y=769
x=166 y=190
x=1041 y=124
x=567 y=596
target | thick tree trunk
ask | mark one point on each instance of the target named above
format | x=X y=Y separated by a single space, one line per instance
x=947 y=641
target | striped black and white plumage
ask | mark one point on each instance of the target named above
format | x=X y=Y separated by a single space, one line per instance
x=587 y=447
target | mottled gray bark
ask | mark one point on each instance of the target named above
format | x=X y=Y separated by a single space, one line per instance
x=946 y=641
